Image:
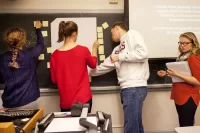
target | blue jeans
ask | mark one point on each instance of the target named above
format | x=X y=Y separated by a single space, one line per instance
x=132 y=100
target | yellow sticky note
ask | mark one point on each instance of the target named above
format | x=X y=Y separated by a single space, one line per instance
x=101 y=49
x=49 y=50
x=34 y=23
x=48 y=64
x=41 y=57
x=102 y=57
x=100 y=35
x=100 y=41
x=44 y=33
x=99 y=29
x=105 y=25
x=45 y=23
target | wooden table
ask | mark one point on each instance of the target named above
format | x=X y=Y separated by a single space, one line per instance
x=8 y=127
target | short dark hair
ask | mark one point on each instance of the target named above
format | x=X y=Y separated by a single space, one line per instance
x=121 y=25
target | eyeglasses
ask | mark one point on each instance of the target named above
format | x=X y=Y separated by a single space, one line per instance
x=184 y=43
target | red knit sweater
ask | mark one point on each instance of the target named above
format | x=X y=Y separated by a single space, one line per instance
x=69 y=72
x=182 y=91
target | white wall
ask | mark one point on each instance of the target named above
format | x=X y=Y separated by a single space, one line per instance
x=159 y=113
x=62 y=6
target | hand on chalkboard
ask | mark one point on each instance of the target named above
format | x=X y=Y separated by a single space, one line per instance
x=161 y=73
x=96 y=44
x=94 y=48
x=38 y=25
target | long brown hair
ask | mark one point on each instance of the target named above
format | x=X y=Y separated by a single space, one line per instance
x=15 y=38
x=195 y=43
x=66 y=29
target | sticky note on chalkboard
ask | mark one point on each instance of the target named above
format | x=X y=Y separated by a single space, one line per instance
x=48 y=64
x=44 y=33
x=49 y=50
x=105 y=25
x=34 y=23
x=100 y=41
x=41 y=57
x=102 y=57
x=101 y=49
x=100 y=35
x=45 y=23
x=99 y=29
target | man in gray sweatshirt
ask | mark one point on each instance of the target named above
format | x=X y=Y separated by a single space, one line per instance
x=130 y=59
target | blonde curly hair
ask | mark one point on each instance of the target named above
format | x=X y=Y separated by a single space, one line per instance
x=15 y=38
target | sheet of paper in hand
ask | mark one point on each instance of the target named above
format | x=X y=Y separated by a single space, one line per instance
x=181 y=67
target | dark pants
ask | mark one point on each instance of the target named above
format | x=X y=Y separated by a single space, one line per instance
x=186 y=113
x=132 y=100
x=89 y=109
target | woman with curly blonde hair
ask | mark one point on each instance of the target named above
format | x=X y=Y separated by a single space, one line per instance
x=186 y=94
x=18 y=70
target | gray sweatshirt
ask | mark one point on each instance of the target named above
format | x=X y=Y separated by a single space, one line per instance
x=132 y=68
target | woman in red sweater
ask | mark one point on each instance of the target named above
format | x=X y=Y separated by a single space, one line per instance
x=69 y=67
x=186 y=94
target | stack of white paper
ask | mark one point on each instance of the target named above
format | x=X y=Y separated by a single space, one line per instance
x=181 y=67
x=68 y=124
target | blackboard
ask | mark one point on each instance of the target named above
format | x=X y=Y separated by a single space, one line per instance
x=156 y=64
x=25 y=21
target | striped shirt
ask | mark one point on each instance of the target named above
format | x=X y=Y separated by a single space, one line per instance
x=21 y=86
